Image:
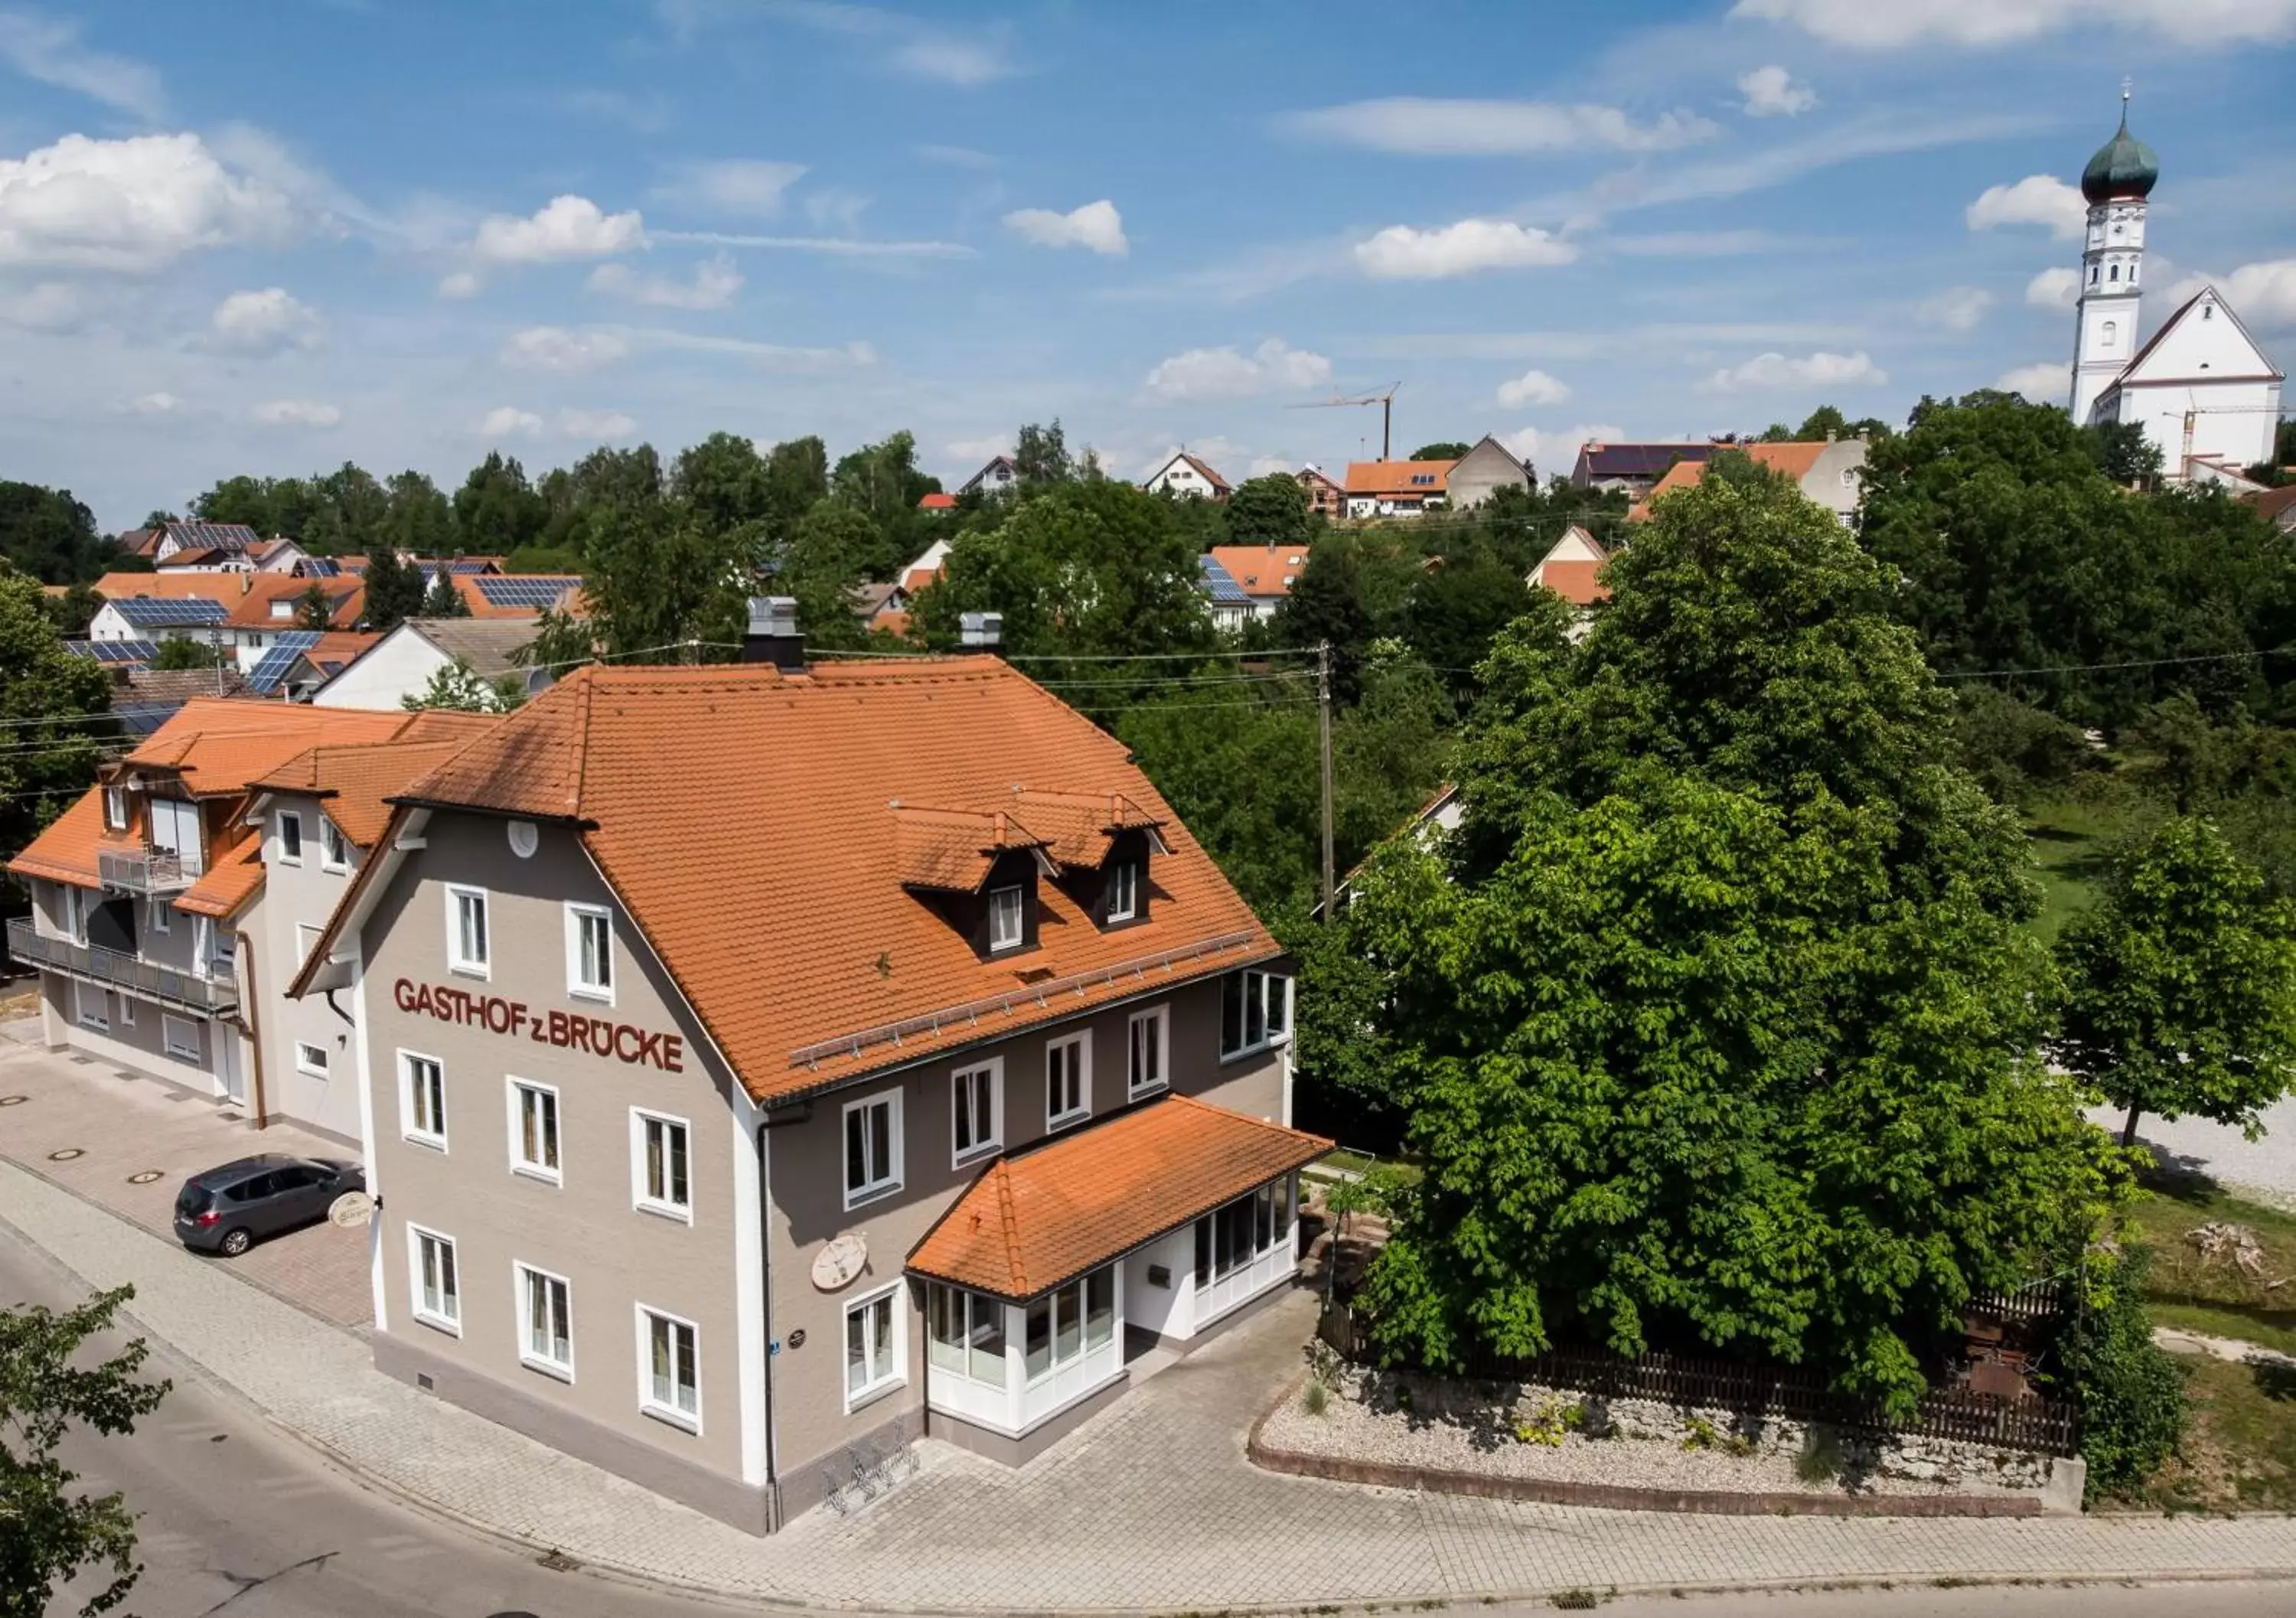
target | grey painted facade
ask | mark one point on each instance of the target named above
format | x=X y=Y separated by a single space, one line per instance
x=1488 y=466
x=310 y=1059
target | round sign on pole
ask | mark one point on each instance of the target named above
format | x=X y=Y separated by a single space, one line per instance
x=839 y=1260
x=351 y=1210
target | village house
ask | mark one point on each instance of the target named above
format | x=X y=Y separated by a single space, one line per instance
x=1326 y=498
x=1396 y=488
x=1187 y=475
x=1264 y=574
x=1633 y=467
x=998 y=476
x=1828 y=471
x=1484 y=469
x=896 y=1064
x=403 y=662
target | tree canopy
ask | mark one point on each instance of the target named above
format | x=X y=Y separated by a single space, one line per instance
x=53 y=717
x=46 y=533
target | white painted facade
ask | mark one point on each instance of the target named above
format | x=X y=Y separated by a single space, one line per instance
x=398 y=666
x=2106 y=320
x=2202 y=387
x=1183 y=474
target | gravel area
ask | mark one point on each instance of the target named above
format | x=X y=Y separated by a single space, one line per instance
x=1353 y=1427
x=2264 y=1170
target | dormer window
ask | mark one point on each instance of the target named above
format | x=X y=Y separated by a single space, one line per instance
x=1008 y=917
x=283 y=609
x=115 y=807
x=1124 y=890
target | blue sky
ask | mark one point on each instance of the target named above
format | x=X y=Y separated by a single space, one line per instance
x=270 y=238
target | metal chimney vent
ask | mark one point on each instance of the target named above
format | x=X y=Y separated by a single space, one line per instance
x=772 y=615
x=982 y=628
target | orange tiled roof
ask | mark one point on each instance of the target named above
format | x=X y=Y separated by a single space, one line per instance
x=65 y=849
x=1033 y=1221
x=253 y=609
x=1078 y=826
x=336 y=647
x=1263 y=570
x=1794 y=460
x=1394 y=477
x=354 y=778
x=224 y=587
x=219 y=746
x=937 y=501
x=797 y=842
x=233 y=879
x=952 y=850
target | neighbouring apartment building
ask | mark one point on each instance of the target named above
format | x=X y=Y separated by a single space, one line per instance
x=169 y=906
x=763 y=1065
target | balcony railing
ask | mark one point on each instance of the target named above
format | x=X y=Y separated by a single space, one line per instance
x=145 y=870
x=210 y=997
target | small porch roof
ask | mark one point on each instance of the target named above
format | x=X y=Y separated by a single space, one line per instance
x=1032 y=1222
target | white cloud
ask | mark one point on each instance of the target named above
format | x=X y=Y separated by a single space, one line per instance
x=508 y=421
x=560 y=352
x=956 y=157
x=1818 y=370
x=458 y=284
x=1958 y=309
x=1428 y=127
x=1228 y=374
x=1550 y=453
x=50 y=51
x=949 y=60
x=1269 y=466
x=606 y=426
x=1096 y=225
x=2038 y=199
x=715 y=282
x=45 y=306
x=743 y=186
x=1532 y=388
x=133 y=206
x=296 y=413
x=264 y=323
x=2055 y=289
x=565 y=227
x=1772 y=92
x=904 y=44
x=830 y=209
x=1989 y=23
x=155 y=404
x=1402 y=252
x=975 y=452
x=2263 y=294
x=2044 y=382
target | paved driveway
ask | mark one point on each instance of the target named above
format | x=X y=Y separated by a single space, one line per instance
x=124 y=1126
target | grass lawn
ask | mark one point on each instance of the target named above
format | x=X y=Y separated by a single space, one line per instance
x=2239 y=1453
x=2069 y=842
x=2181 y=1291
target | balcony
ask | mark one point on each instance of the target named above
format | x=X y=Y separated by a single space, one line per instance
x=146 y=871
x=209 y=996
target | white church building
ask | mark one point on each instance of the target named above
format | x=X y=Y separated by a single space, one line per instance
x=2204 y=391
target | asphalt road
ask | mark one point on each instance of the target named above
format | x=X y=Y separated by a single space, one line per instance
x=237 y=1519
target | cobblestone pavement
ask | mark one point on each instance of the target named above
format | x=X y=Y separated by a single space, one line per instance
x=1150 y=1507
x=124 y=1124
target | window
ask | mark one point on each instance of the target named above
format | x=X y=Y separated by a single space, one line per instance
x=1124 y=890
x=590 y=953
x=534 y=1131
x=1238 y=1233
x=127 y=1011
x=71 y=914
x=2115 y=276
x=334 y=848
x=1068 y=1080
x=873 y=1346
x=661 y=1171
x=311 y=1058
x=1146 y=1040
x=283 y=608
x=670 y=1369
x=307 y=938
x=466 y=930
x=115 y=807
x=91 y=1006
x=977 y=1109
x=163 y=917
x=967 y=1334
x=290 y=838
x=1006 y=930
x=873 y=1147
x=1069 y=1323
x=432 y=1280
x=1255 y=1011
x=2112 y=332
x=423 y=1089
x=546 y=1322
x=179 y=1036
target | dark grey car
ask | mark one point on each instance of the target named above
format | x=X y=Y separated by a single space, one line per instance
x=227 y=1210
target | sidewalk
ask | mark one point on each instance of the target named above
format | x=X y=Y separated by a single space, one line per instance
x=1152 y=1506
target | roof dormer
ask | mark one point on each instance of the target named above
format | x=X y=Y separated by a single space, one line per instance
x=976 y=869
x=1104 y=845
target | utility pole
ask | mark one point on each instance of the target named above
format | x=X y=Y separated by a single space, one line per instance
x=1324 y=713
x=215 y=645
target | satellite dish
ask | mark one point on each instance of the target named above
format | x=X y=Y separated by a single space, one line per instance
x=351 y=1210
x=843 y=1259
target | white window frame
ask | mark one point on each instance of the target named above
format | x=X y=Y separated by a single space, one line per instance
x=115 y=808
x=480 y=965
x=126 y=1009
x=1019 y=892
x=280 y=822
x=642 y=1197
x=304 y=1051
x=576 y=915
x=307 y=938
x=100 y=1019
x=897 y=1359
x=562 y=1369
x=885 y=1185
x=160 y=916
x=73 y=920
x=1124 y=876
x=688 y=1421
x=450 y=1321
x=514 y=1091
x=192 y=1050
x=408 y=1111
x=1270 y=1036
x=1079 y=1045
x=334 y=848
x=993 y=1141
x=1160 y=1017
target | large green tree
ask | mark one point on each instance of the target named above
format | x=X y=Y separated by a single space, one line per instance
x=497 y=510
x=1270 y=511
x=658 y=585
x=394 y=589
x=47 y=534
x=1717 y=1023
x=724 y=480
x=2183 y=984
x=53 y=717
x=416 y=516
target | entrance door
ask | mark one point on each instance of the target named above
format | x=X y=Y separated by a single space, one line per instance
x=229 y=1068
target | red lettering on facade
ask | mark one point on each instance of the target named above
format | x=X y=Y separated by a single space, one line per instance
x=567 y=1031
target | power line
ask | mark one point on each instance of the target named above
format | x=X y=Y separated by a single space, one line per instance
x=2146 y=662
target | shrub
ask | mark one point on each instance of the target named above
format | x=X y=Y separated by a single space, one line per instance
x=1820 y=1460
x=1315 y=1397
x=2131 y=1393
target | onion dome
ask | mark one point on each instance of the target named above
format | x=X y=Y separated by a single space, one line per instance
x=2123 y=167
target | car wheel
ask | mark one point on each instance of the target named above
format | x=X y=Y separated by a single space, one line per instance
x=235 y=1241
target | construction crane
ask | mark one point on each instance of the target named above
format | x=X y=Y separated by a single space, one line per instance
x=2192 y=419
x=1384 y=399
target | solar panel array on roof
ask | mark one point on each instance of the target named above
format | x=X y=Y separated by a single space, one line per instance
x=114 y=652
x=469 y=567
x=1224 y=591
x=214 y=536
x=275 y=664
x=535 y=590
x=155 y=612
x=319 y=567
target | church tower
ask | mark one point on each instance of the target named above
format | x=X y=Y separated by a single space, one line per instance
x=2116 y=183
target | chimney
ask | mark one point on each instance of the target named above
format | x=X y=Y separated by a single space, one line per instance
x=981 y=630
x=773 y=635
